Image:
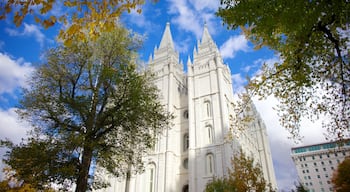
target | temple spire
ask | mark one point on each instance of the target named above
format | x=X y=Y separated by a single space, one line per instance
x=167 y=40
x=206 y=36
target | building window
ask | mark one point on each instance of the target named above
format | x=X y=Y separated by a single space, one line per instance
x=151 y=177
x=185 y=163
x=210 y=134
x=318 y=176
x=322 y=163
x=320 y=156
x=307 y=171
x=316 y=170
x=324 y=169
x=330 y=162
x=315 y=164
x=185 y=114
x=207 y=106
x=185 y=188
x=209 y=164
x=186 y=142
x=303 y=171
x=313 y=157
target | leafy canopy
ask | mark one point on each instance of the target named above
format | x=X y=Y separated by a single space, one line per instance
x=81 y=19
x=341 y=177
x=89 y=105
x=245 y=176
x=312 y=39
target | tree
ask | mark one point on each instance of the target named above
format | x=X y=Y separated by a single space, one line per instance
x=11 y=184
x=220 y=185
x=245 y=176
x=89 y=105
x=299 y=188
x=312 y=39
x=90 y=16
x=341 y=177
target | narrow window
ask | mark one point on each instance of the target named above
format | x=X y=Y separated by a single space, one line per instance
x=210 y=164
x=207 y=106
x=210 y=134
x=151 y=177
x=186 y=142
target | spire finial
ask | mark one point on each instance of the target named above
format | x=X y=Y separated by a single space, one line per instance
x=167 y=39
x=206 y=36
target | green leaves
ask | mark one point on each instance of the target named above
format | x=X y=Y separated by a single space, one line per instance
x=313 y=77
x=244 y=176
x=89 y=104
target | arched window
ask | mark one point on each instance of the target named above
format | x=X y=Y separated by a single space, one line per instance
x=209 y=164
x=151 y=177
x=186 y=142
x=185 y=188
x=209 y=134
x=207 y=108
x=185 y=114
x=185 y=163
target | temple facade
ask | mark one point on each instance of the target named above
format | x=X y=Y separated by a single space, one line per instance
x=196 y=148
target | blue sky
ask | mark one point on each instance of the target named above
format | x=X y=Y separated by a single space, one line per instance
x=22 y=48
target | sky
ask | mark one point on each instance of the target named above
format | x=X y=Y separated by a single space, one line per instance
x=22 y=49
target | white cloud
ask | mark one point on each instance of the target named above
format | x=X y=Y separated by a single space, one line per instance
x=238 y=83
x=201 y=5
x=233 y=45
x=11 y=128
x=183 y=46
x=13 y=73
x=139 y=19
x=186 y=17
x=29 y=30
x=190 y=16
x=280 y=144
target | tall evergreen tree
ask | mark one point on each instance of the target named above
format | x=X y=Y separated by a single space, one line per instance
x=89 y=105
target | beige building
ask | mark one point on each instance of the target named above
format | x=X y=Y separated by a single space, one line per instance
x=315 y=164
x=195 y=149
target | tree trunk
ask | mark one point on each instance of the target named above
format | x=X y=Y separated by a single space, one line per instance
x=82 y=182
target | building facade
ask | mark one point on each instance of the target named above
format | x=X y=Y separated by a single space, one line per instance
x=315 y=164
x=195 y=148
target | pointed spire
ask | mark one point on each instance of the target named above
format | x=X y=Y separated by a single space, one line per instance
x=206 y=36
x=189 y=61
x=167 y=39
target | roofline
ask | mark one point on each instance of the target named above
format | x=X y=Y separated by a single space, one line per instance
x=338 y=141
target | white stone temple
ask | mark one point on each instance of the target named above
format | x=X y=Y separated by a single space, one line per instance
x=195 y=149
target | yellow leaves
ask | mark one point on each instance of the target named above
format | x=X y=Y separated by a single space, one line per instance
x=87 y=19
